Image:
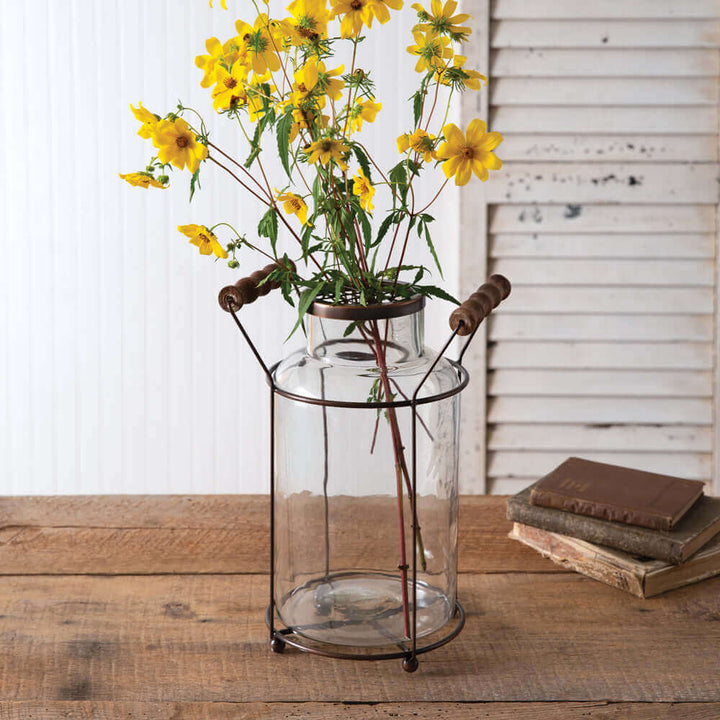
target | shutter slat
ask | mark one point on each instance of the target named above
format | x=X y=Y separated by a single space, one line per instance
x=601 y=219
x=634 y=9
x=692 y=301
x=604 y=91
x=694 y=466
x=625 y=33
x=561 y=271
x=574 y=439
x=648 y=247
x=578 y=354
x=627 y=383
x=559 y=62
x=615 y=410
x=608 y=148
x=695 y=119
x=620 y=328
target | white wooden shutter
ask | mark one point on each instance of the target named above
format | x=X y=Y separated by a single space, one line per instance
x=604 y=218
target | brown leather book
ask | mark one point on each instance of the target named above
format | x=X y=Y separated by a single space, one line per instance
x=617 y=493
x=691 y=533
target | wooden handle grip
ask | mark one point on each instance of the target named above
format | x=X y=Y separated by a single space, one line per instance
x=478 y=306
x=246 y=290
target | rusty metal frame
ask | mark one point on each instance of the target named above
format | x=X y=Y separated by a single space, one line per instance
x=281 y=637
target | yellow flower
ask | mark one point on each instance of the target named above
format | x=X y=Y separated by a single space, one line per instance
x=306 y=118
x=226 y=54
x=469 y=153
x=143 y=180
x=364 y=190
x=355 y=14
x=457 y=74
x=327 y=149
x=293 y=205
x=309 y=21
x=420 y=142
x=306 y=79
x=433 y=51
x=439 y=20
x=261 y=46
x=177 y=144
x=256 y=95
x=379 y=8
x=328 y=82
x=229 y=92
x=363 y=110
x=203 y=239
x=149 y=120
x=223 y=4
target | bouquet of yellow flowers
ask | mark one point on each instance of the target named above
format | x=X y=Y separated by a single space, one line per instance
x=277 y=80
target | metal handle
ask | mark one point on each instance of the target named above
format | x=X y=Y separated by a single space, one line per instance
x=248 y=289
x=479 y=305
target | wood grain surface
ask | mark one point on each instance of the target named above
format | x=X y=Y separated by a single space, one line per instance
x=152 y=607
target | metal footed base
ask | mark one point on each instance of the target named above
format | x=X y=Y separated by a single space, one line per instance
x=279 y=638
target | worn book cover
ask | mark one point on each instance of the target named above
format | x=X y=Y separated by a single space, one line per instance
x=699 y=526
x=617 y=493
x=641 y=576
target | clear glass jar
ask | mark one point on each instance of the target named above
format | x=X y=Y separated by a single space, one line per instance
x=343 y=542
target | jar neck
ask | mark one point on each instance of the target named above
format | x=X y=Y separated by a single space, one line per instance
x=342 y=342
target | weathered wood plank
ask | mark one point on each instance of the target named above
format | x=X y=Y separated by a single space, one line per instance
x=605 y=410
x=620 y=33
x=439 y=710
x=601 y=219
x=627 y=383
x=590 y=182
x=602 y=9
x=604 y=91
x=608 y=148
x=559 y=62
x=633 y=328
x=603 y=120
x=646 y=246
x=576 y=355
x=637 y=300
x=611 y=271
x=171 y=534
x=147 y=639
x=508 y=463
x=586 y=438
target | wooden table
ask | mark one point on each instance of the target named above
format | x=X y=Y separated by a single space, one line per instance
x=152 y=607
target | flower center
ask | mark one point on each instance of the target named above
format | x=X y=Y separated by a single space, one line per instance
x=204 y=239
x=326 y=145
x=295 y=204
x=356 y=4
x=230 y=83
x=182 y=141
x=467 y=152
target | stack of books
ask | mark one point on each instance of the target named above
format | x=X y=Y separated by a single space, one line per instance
x=638 y=531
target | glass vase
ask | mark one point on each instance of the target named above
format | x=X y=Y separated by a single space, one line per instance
x=351 y=471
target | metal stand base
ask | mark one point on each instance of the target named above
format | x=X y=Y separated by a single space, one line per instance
x=279 y=638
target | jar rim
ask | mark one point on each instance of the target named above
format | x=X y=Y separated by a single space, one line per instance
x=377 y=311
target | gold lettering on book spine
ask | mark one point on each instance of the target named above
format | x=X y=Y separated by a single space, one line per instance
x=574 y=485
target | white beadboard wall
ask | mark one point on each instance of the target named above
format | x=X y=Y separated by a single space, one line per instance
x=118 y=371
x=605 y=219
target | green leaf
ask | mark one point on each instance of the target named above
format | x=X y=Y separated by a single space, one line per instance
x=365 y=226
x=417 y=106
x=268 y=226
x=384 y=227
x=350 y=329
x=194 y=183
x=436 y=292
x=282 y=132
x=362 y=161
x=432 y=250
x=306 y=298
